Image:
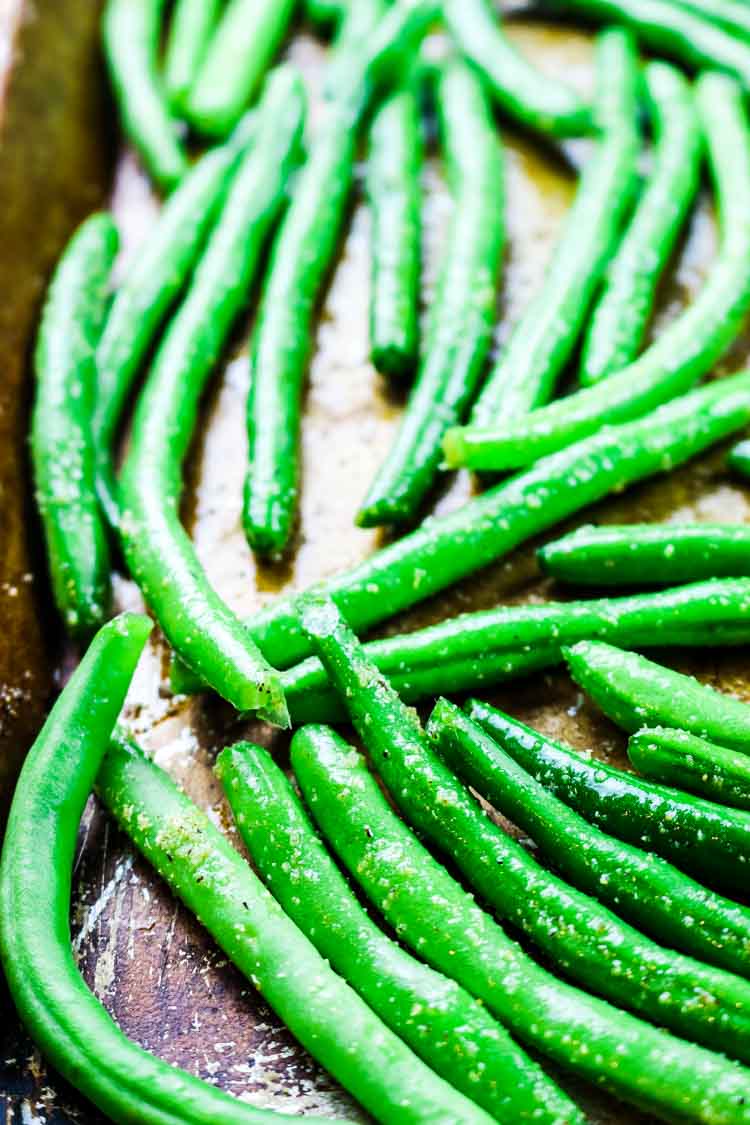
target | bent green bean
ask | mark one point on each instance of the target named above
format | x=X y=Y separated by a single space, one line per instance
x=460 y=326
x=709 y=842
x=62 y=442
x=583 y=938
x=640 y=554
x=320 y=1009
x=131 y=31
x=621 y=314
x=685 y=761
x=544 y=338
x=393 y=187
x=432 y=913
x=685 y=351
x=235 y=61
x=162 y=560
x=192 y=24
x=439 y=1020
x=640 y=886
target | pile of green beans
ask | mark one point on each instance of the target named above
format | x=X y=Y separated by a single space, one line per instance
x=439 y=1020
x=432 y=913
x=647 y=891
x=685 y=351
x=685 y=761
x=708 y=841
x=641 y=554
x=62 y=438
x=544 y=338
x=619 y=319
x=159 y=553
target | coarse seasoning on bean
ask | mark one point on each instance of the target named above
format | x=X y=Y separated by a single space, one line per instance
x=685 y=761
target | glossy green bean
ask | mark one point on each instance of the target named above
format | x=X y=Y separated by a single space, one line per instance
x=622 y=312
x=635 y=692
x=644 y=889
x=131 y=31
x=642 y=554
x=685 y=351
x=192 y=24
x=62 y=442
x=543 y=339
x=497 y=644
x=739 y=458
x=671 y=28
x=148 y=290
x=393 y=188
x=459 y=332
x=734 y=15
x=534 y=99
x=433 y=914
x=439 y=1020
x=320 y=1009
x=161 y=557
x=444 y=550
x=235 y=61
x=707 y=841
x=685 y=761
x=581 y=937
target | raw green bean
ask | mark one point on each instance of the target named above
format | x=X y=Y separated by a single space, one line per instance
x=544 y=338
x=709 y=842
x=646 y=890
x=161 y=557
x=494 y=645
x=534 y=99
x=442 y=923
x=687 y=349
x=734 y=15
x=320 y=1009
x=444 y=550
x=684 y=761
x=193 y=22
x=641 y=554
x=635 y=692
x=462 y=314
x=149 y=289
x=62 y=442
x=584 y=939
x=618 y=322
x=131 y=31
x=393 y=187
x=441 y=1022
x=671 y=28
x=354 y=27
x=235 y=61
x=739 y=458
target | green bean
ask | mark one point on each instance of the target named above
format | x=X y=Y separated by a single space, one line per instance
x=326 y=11
x=544 y=338
x=149 y=289
x=687 y=349
x=635 y=692
x=461 y=318
x=444 y=550
x=320 y=1009
x=584 y=939
x=442 y=923
x=494 y=645
x=193 y=22
x=158 y=551
x=641 y=554
x=432 y=1014
x=393 y=170
x=671 y=28
x=644 y=889
x=354 y=27
x=536 y=100
x=235 y=61
x=622 y=312
x=731 y=14
x=684 y=761
x=62 y=444
x=131 y=31
x=739 y=458
x=707 y=841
